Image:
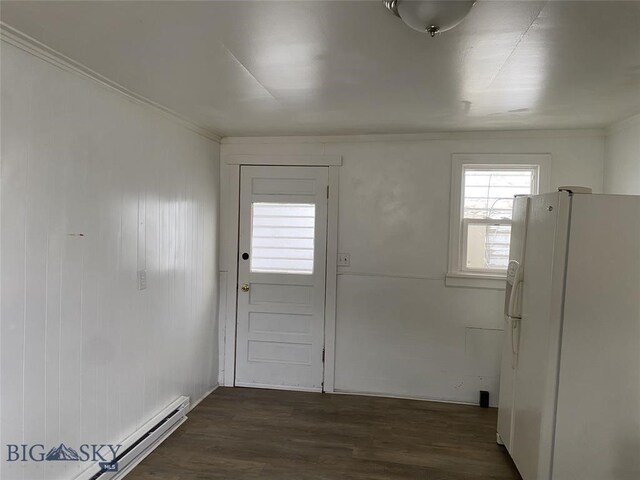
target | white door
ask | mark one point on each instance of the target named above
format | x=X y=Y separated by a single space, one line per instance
x=281 y=277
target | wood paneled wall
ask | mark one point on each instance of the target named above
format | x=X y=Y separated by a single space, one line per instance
x=94 y=188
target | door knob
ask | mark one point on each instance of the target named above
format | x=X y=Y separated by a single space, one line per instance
x=245 y=287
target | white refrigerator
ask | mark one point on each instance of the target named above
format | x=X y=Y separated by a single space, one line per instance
x=569 y=404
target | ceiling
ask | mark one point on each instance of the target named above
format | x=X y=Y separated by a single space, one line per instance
x=242 y=68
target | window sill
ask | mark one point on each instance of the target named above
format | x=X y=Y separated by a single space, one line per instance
x=470 y=280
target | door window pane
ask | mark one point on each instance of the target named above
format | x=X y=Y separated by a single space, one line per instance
x=282 y=237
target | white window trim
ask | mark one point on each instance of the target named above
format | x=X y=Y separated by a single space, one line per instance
x=457 y=276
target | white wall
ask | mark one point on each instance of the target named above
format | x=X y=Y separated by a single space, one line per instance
x=400 y=331
x=93 y=187
x=622 y=157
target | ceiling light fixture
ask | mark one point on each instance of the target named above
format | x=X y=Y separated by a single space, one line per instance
x=428 y=16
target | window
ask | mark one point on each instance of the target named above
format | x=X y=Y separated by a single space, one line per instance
x=484 y=187
x=282 y=237
x=486 y=213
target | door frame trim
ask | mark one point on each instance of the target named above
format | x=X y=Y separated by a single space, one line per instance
x=284 y=160
x=228 y=253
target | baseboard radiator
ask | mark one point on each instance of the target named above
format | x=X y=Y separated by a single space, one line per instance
x=142 y=442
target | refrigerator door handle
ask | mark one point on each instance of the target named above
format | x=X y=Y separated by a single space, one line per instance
x=515 y=342
x=514 y=279
x=514 y=287
x=513 y=298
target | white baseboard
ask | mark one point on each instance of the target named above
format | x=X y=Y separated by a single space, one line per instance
x=278 y=387
x=404 y=397
x=360 y=394
x=122 y=473
x=206 y=394
x=142 y=442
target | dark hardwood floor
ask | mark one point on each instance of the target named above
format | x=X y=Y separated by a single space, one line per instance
x=242 y=433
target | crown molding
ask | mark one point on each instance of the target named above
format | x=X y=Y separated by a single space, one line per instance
x=32 y=46
x=620 y=125
x=418 y=137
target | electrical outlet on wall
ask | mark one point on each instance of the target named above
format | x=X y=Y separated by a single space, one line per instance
x=344 y=259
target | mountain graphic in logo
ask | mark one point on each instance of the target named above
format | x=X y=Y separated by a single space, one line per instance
x=62 y=453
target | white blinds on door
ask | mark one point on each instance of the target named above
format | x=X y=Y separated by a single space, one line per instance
x=282 y=236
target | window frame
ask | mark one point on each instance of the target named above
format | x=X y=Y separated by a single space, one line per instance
x=458 y=274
